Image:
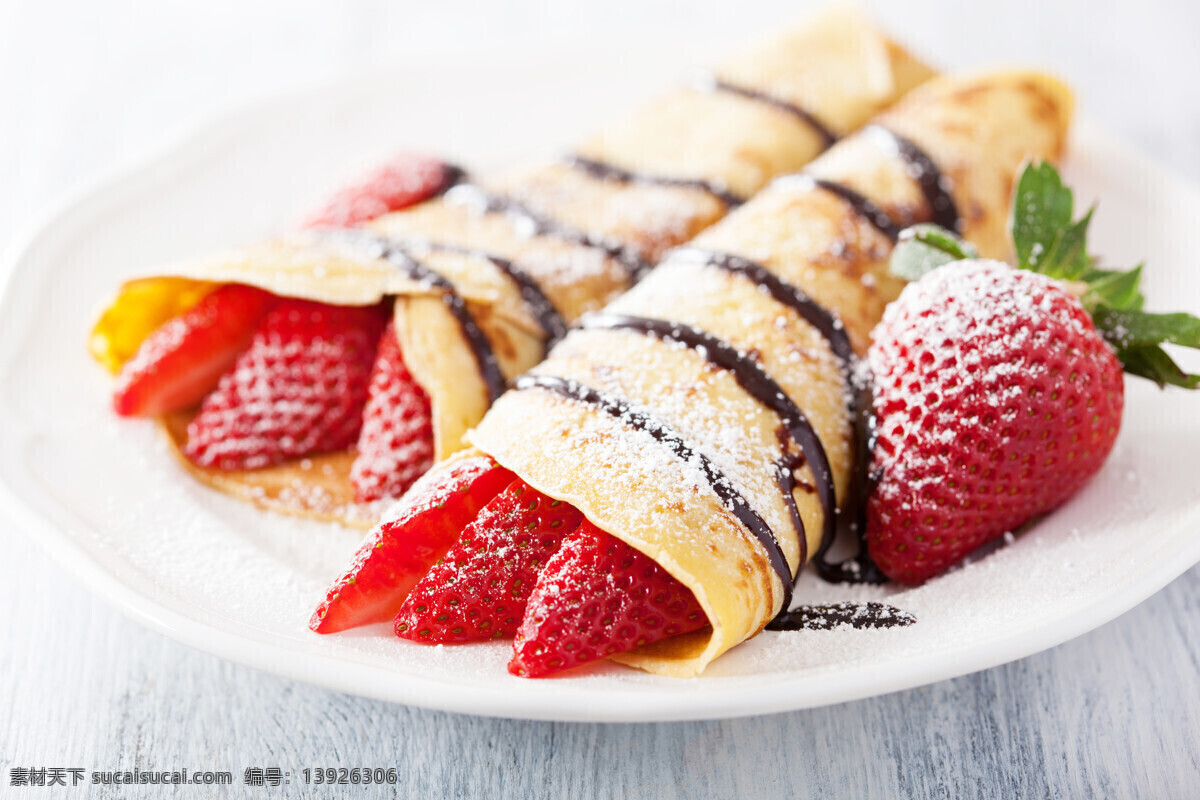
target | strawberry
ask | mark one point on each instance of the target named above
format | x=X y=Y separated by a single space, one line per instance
x=597 y=597
x=996 y=399
x=401 y=549
x=299 y=389
x=479 y=589
x=999 y=392
x=182 y=360
x=404 y=181
x=395 y=446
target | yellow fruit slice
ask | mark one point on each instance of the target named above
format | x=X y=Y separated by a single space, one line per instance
x=139 y=309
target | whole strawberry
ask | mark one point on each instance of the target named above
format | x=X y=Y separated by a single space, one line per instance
x=996 y=399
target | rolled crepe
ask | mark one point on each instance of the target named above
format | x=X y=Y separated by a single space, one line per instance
x=487 y=276
x=709 y=426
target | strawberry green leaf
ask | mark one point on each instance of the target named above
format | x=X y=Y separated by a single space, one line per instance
x=924 y=248
x=1041 y=213
x=1130 y=328
x=1116 y=289
x=1151 y=361
x=1048 y=242
x=1067 y=256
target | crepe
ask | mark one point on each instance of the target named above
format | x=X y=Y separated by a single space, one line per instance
x=710 y=427
x=490 y=274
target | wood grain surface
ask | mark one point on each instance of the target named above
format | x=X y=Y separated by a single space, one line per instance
x=1113 y=714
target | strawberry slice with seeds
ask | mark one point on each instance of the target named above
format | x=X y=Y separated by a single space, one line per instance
x=298 y=390
x=400 y=550
x=404 y=181
x=479 y=590
x=183 y=360
x=597 y=597
x=396 y=444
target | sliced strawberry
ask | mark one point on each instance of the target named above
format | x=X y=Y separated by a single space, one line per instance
x=395 y=446
x=402 y=182
x=298 y=390
x=597 y=597
x=182 y=361
x=400 y=551
x=479 y=590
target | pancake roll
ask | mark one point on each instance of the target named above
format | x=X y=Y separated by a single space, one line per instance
x=484 y=277
x=705 y=417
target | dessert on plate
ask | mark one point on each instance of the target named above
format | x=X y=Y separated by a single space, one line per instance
x=322 y=372
x=598 y=455
x=651 y=490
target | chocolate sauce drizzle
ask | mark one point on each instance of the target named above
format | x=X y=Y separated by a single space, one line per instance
x=537 y=225
x=858 y=568
x=759 y=384
x=828 y=137
x=547 y=315
x=621 y=410
x=489 y=366
x=453 y=175
x=605 y=171
x=827 y=617
x=766 y=390
x=387 y=250
x=812 y=312
x=829 y=326
x=863 y=207
x=924 y=170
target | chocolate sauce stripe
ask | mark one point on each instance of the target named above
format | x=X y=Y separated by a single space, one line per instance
x=929 y=177
x=860 y=568
x=759 y=384
x=828 y=137
x=481 y=348
x=731 y=498
x=828 y=325
x=547 y=315
x=454 y=176
x=835 y=334
x=489 y=366
x=862 y=206
x=602 y=170
x=492 y=203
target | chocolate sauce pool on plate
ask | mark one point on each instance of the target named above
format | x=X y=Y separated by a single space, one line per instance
x=826 y=617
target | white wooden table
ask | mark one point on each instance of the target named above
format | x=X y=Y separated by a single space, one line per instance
x=1115 y=713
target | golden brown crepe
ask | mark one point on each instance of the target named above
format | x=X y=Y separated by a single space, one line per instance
x=660 y=444
x=577 y=232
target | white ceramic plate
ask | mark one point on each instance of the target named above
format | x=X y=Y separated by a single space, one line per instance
x=107 y=500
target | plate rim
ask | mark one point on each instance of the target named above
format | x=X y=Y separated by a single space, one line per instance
x=559 y=702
